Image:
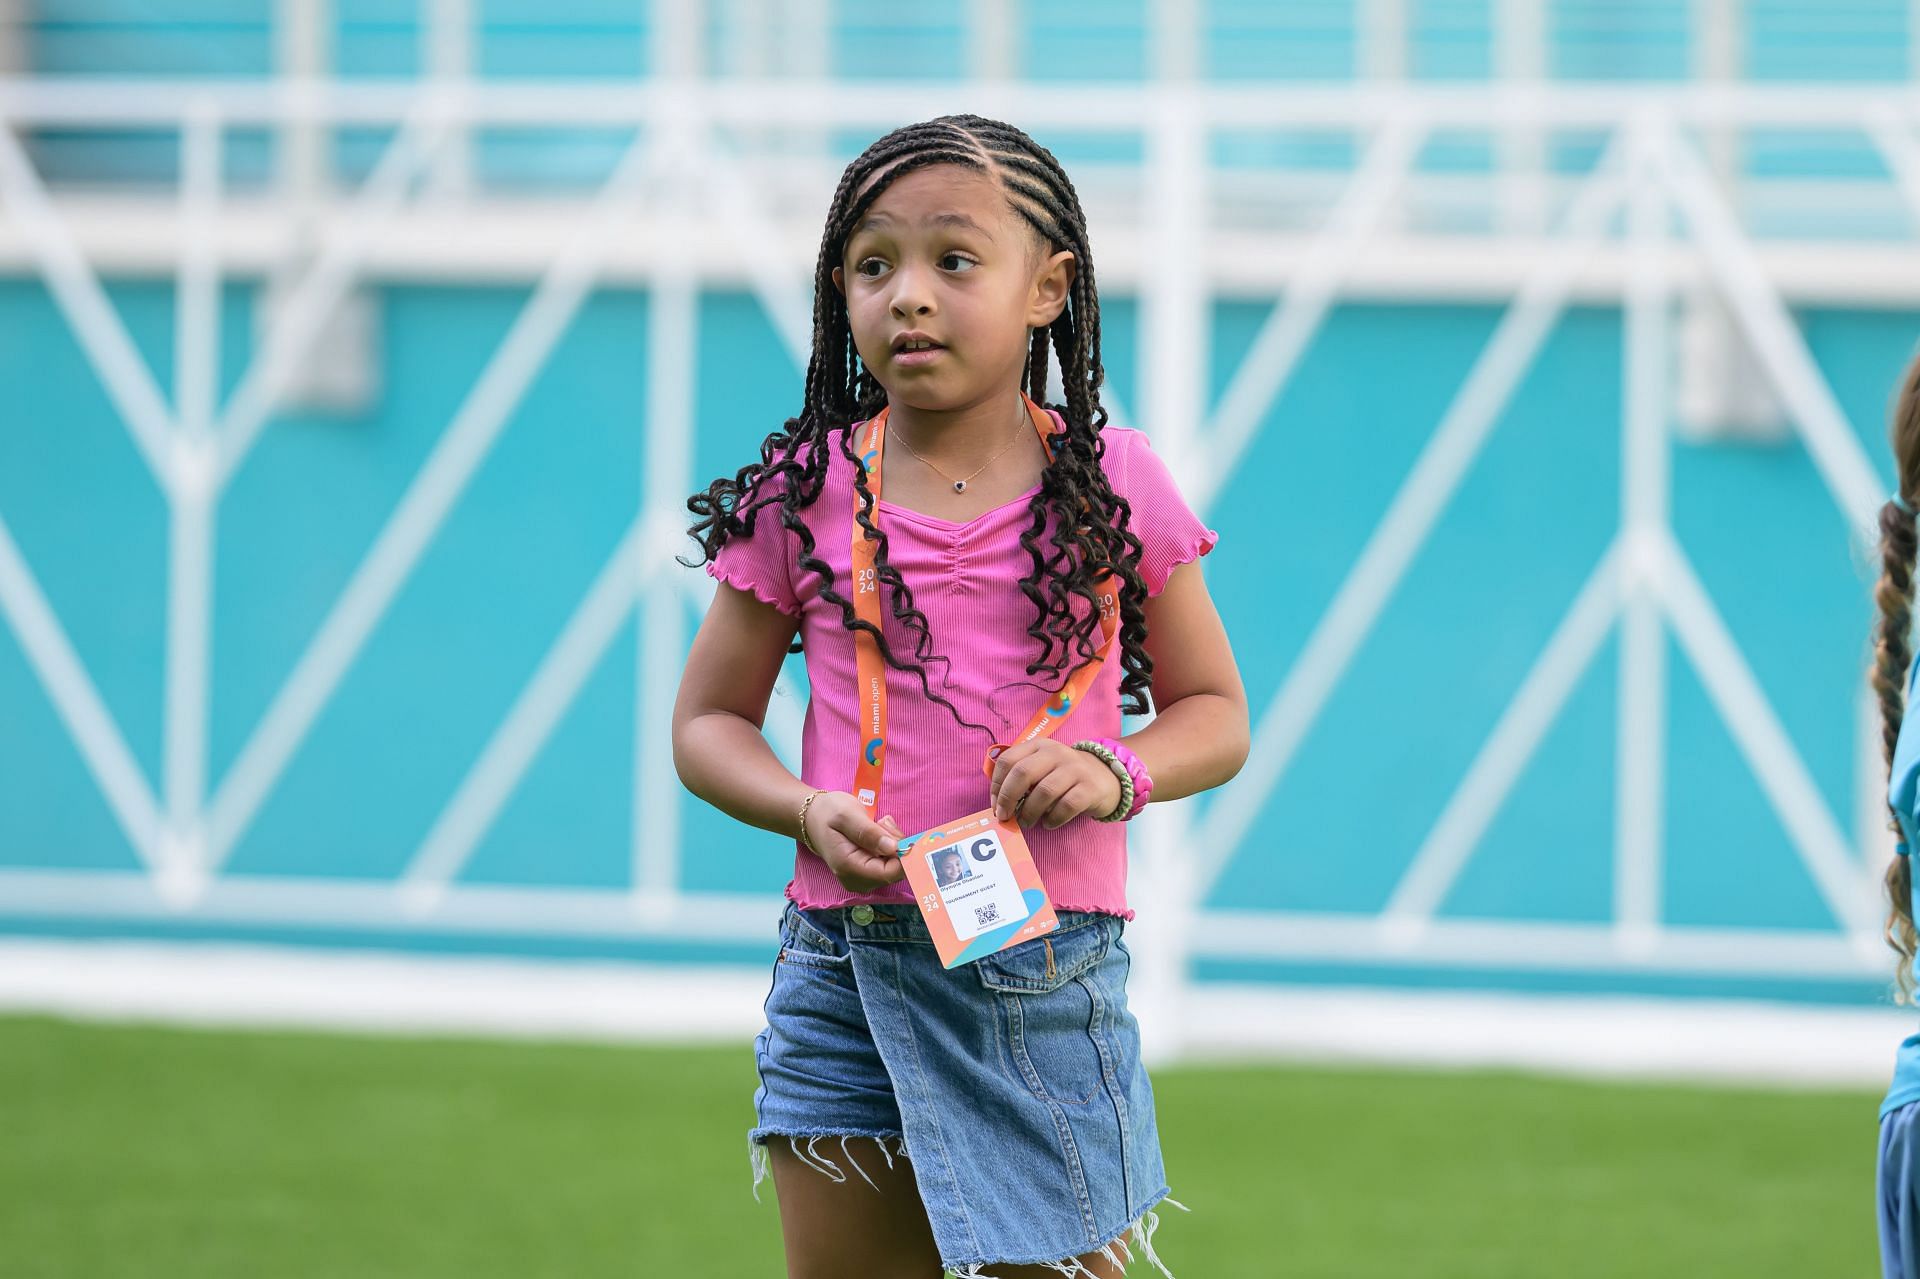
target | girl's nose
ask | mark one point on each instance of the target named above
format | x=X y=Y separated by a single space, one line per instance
x=910 y=294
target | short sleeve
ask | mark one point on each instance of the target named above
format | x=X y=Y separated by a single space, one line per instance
x=761 y=564
x=1170 y=533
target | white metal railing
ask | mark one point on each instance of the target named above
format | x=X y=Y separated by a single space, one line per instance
x=683 y=150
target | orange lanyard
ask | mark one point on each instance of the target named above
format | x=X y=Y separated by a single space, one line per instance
x=866 y=606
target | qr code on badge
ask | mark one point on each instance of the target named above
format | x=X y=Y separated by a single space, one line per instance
x=984 y=915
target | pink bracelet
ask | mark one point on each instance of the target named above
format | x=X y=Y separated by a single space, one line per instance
x=1142 y=784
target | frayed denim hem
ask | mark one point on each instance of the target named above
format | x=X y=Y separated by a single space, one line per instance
x=805 y=1146
x=1136 y=1238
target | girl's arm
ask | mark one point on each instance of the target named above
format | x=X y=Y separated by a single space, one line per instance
x=718 y=747
x=1197 y=740
x=723 y=757
x=1199 y=735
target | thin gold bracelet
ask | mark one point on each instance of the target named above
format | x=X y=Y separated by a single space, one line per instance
x=804 y=805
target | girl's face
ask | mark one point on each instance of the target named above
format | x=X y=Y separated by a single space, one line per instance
x=941 y=257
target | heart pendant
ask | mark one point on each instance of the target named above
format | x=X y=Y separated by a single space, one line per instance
x=959 y=486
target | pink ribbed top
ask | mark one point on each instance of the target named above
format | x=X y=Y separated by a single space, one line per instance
x=965 y=576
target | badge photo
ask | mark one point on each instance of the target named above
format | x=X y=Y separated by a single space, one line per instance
x=977 y=887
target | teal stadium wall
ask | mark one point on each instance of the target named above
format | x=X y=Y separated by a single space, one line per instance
x=556 y=493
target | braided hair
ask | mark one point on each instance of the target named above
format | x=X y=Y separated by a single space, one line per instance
x=1092 y=538
x=1893 y=648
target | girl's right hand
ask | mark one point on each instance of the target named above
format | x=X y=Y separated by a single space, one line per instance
x=862 y=854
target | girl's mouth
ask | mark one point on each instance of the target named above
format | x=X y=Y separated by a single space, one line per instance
x=912 y=357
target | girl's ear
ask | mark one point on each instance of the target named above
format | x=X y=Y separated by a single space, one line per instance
x=840 y=281
x=1051 y=285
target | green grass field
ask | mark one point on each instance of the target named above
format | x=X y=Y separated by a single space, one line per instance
x=138 y=1151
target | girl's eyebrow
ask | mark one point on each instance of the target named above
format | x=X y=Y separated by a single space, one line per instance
x=873 y=220
x=959 y=220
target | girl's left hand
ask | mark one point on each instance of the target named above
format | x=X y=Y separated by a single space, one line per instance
x=1050 y=782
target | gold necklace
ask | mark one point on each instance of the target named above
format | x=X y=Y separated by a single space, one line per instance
x=960 y=486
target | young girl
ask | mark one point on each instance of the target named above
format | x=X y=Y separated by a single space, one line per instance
x=995 y=1118
x=1898 y=1173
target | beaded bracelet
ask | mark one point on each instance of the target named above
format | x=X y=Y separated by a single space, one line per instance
x=1123 y=809
x=1136 y=769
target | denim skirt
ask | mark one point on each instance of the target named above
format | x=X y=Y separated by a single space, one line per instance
x=1014 y=1083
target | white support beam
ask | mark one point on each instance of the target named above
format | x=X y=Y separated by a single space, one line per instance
x=1283 y=338
x=528 y=725
x=1719 y=40
x=677 y=40
x=1520 y=61
x=91 y=726
x=1645 y=511
x=1509 y=748
x=1770 y=753
x=448 y=45
x=83 y=301
x=993 y=29
x=298 y=325
x=670 y=424
x=1424 y=494
x=1174 y=41
x=1383 y=41
x=421 y=511
x=303 y=57
x=1892 y=132
x=1175 y=324
x=192 y=495
x=1769 y=327
x=783 y=286
x=1174 y=319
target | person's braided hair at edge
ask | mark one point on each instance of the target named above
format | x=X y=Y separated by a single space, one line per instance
x=840 y=390
x=1893 y=650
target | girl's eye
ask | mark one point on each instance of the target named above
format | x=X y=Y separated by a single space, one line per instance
x=860 y=267
x=967 y=264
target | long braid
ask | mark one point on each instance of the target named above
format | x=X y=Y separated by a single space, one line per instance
x=1092 y=534
x=1893 y=652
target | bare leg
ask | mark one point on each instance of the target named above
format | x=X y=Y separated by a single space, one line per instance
x=837 y=1228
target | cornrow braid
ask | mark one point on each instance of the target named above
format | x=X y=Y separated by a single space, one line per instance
x=1893 y=653
x=1092 y=533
